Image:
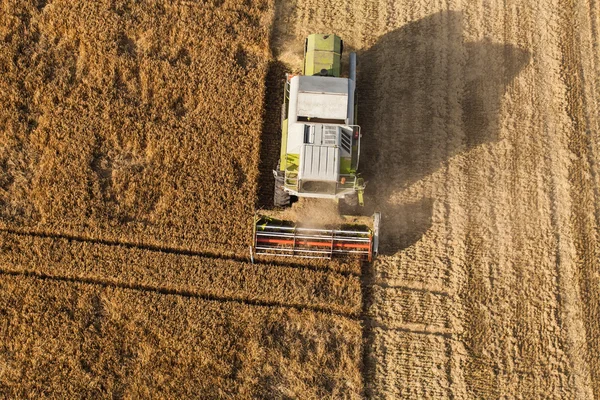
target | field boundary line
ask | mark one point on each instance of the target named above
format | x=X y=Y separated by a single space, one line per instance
x=172 y=250
x=183 y=293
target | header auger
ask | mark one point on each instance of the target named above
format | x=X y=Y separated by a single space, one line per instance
x=285 y=239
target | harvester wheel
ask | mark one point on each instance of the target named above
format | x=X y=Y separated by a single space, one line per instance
x=281 y=198
x=351 y=200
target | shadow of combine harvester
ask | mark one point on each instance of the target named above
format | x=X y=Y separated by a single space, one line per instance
x=424 y=96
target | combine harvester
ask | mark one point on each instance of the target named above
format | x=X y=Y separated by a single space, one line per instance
x=320 y=150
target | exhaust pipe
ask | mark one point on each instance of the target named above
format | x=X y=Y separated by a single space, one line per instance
x=351 y=88
x=352 y=72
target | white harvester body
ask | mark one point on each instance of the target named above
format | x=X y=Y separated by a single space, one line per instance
x=320 y=150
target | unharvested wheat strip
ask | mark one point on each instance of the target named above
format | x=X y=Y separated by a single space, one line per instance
x=191 y=274
x=116 y=122
x=66 y=340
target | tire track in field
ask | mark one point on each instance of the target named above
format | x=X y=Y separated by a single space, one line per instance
x=536 y=258
x=454 y=184
x=584 y=217
x=539 y=255
x=177 y=251
x=483 y=335
x=570 y=340
x=182 y=293
x=494 y=334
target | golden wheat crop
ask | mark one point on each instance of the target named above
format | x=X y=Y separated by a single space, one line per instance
x=132 y=120
x=227 y=279
x=66 y=340
x=129 y=157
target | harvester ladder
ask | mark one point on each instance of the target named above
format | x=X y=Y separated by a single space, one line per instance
x=291 y=179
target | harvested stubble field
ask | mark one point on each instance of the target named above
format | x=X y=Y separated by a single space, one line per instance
x=130 y=163
x=481 y=124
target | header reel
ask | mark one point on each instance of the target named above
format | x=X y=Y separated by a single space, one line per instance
x=279 y=238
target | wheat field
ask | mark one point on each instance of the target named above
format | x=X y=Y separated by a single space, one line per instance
x=481 y=127
x=64 y=339
x=129 y=149
x=137 y=139
x=132 y=121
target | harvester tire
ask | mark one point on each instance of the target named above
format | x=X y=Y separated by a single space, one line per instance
x=281 y=198
x=351 y=200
